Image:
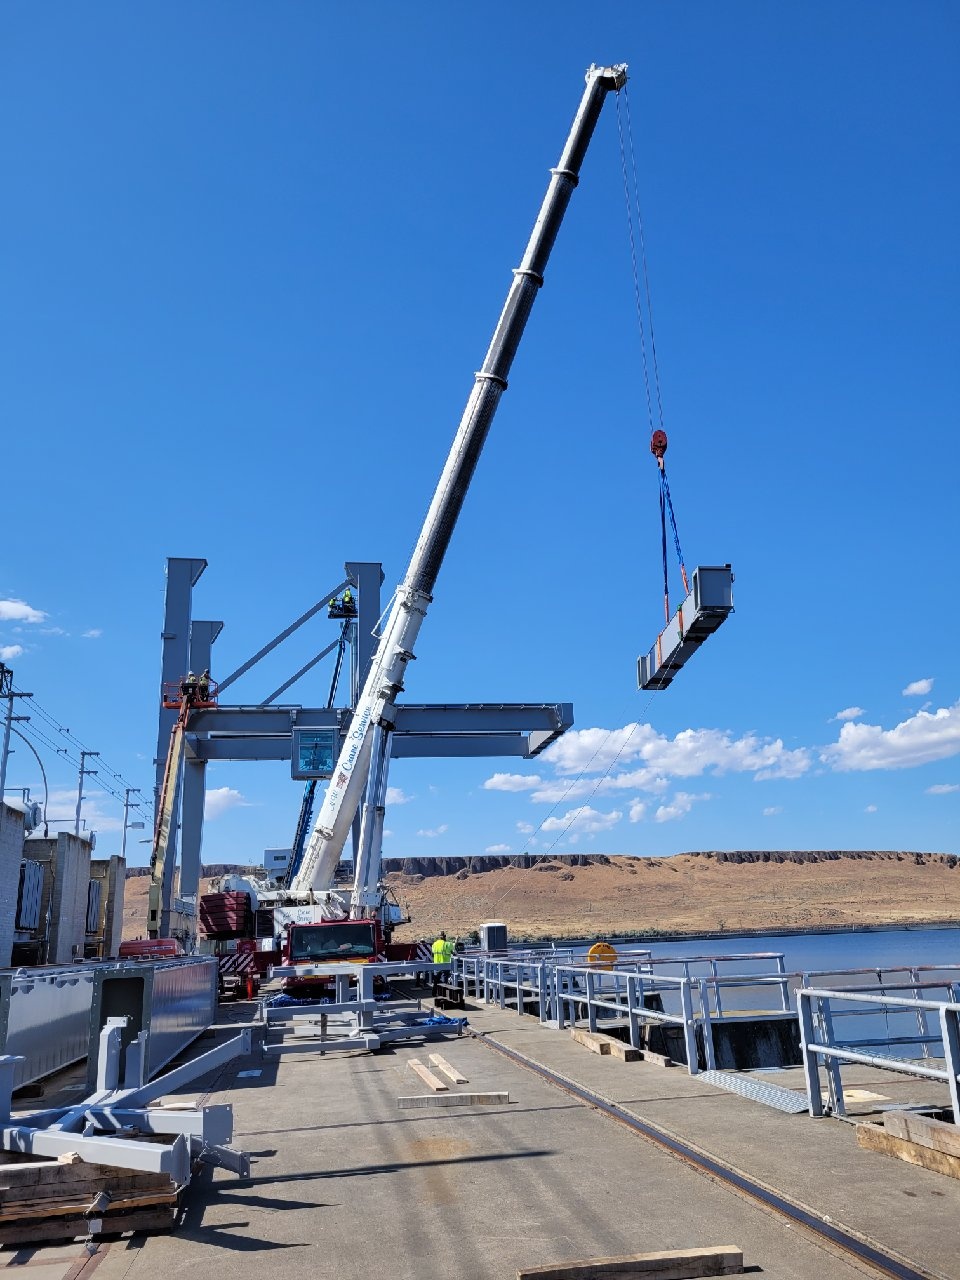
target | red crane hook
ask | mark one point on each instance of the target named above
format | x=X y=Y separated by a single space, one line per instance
x=658 y=446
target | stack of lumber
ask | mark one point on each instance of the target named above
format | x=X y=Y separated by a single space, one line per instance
x=43 y=1200
x=932 y=1144
x=226 y=915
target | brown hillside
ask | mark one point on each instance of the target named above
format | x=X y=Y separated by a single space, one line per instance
x=687 y=893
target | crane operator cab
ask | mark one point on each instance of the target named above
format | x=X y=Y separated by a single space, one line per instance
x=344 y=606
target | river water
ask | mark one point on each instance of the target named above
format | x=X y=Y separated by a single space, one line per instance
x=875 y=949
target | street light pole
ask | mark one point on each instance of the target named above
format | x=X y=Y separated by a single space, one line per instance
x=84 y=772
x=8 y=695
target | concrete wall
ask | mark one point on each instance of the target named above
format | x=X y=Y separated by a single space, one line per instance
x=11 y=847
x=112 y=874
x=65 y=888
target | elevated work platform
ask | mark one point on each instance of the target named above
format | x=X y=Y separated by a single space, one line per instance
x=703 y=611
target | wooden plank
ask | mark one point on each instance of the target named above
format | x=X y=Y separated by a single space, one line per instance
x=450 y=1072
x=658 y=1059
x=618 y=1049
x=73 y=1204
x=42 y=1232
x=589 y=1041
x=424 y=1100
x=927 y=1132
x=663 y=1264
x=426 y=1075
x=874 y=1138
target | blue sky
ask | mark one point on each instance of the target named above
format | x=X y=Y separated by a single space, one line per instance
x=251 y=258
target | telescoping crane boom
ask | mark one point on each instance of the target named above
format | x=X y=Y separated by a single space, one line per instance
x=374 y=712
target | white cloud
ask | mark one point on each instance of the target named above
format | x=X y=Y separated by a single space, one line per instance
x=525 y=828
x=93 y=634
x=918 y=688
x=387 y=834
x=637 y=810
x=583 y=821
x=396 y=795
x=871 y=808
x=19 y=611
x=220 y=800
x=773 y=810
x=512 y=782
x=497 y=848
x=924 y=737
x=849 y=713
x=690 y=753
x=432 y=833
x=10 y=651
x=943 y=789
x=62 y=809
x=679 y=807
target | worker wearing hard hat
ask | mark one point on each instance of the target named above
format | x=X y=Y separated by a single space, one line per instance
x=442 y=952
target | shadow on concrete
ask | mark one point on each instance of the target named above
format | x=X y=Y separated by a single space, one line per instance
x=432 y=1116
x=223 y=1191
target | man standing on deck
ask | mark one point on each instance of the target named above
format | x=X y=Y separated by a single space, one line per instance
x=442 y=953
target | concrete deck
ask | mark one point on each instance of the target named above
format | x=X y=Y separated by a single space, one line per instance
x=346 y=1184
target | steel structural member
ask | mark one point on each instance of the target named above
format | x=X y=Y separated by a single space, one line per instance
x=376 y=705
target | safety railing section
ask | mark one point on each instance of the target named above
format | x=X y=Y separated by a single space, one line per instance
x=919 y=982
x=686 y=993
x=636 y=998
x=818 y=1009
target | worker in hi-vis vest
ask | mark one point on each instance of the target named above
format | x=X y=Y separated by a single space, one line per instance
x=442 y=953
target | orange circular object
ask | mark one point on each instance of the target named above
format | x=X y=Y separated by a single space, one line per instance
x=602 y=955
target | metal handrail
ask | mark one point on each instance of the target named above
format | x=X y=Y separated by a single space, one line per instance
x=816 y=1009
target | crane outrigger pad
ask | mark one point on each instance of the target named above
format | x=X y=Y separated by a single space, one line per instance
x=702 y=612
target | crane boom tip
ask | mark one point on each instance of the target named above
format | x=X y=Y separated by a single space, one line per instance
x=615 y=76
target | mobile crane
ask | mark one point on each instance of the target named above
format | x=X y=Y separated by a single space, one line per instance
x=361 y=769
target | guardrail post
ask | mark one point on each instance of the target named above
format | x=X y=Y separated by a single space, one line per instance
x=784 y=985
x=811 y=1063
x=591 y=1011
x=716 y=990
x=632 y=981
x=689 y=1027
x=541 y=976
x=950 y=1029
x=834 y=1082
x=922 y=1025
x=709 y=1052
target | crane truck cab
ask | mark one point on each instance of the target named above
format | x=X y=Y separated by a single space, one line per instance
x=330 y=942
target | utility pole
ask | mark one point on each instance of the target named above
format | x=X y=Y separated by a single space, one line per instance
x=138 y=826
x=8 y=695
x=84 y=772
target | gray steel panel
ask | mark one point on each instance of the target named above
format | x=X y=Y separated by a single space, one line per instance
x=44 y=1018
x=174 y=1001
x=184 y=1004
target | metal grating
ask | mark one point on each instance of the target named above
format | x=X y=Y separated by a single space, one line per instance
x=771 y=1095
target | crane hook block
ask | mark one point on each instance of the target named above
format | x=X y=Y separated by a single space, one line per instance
x=702 y=612
x=658 y=444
